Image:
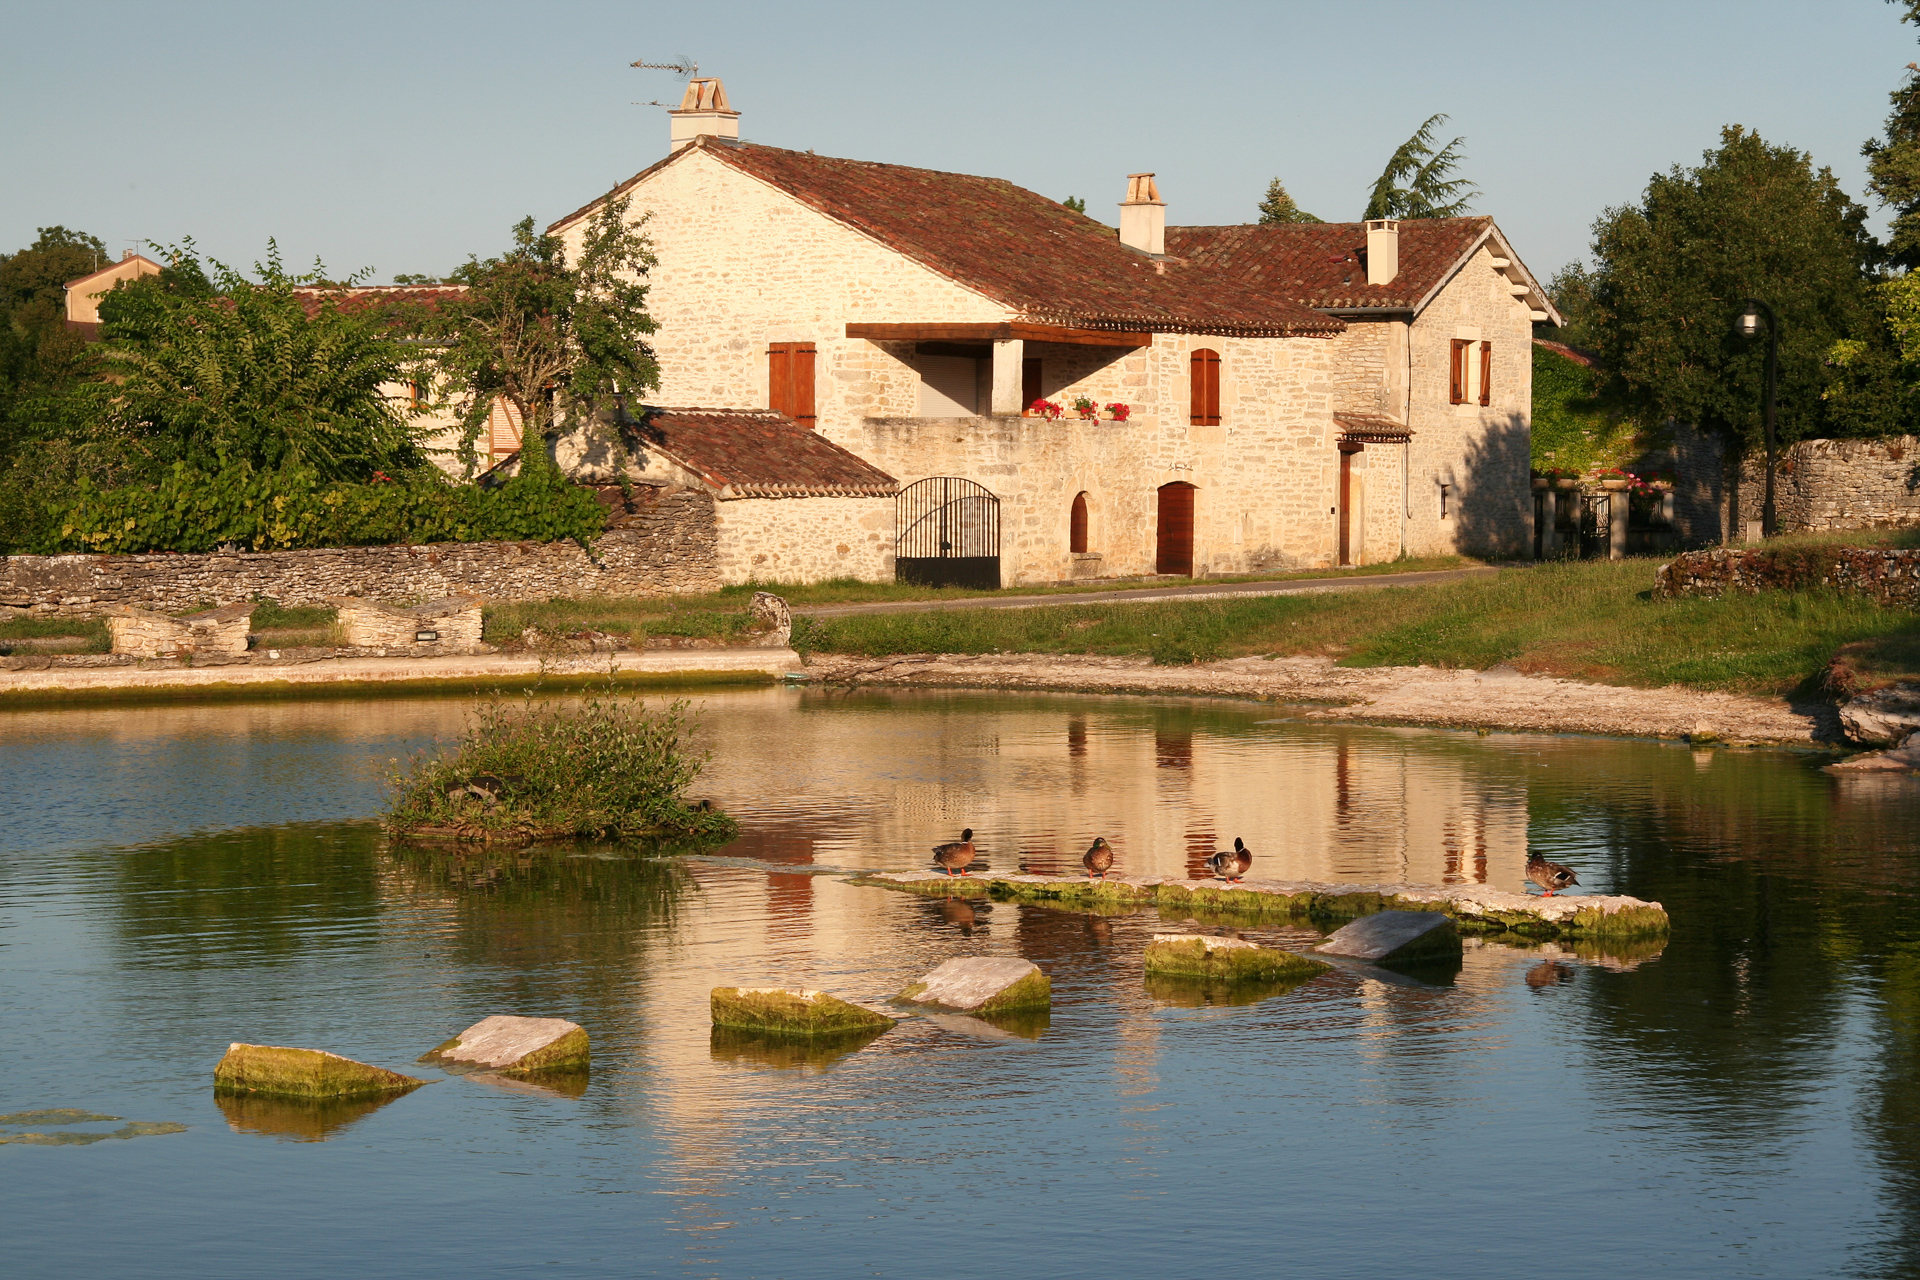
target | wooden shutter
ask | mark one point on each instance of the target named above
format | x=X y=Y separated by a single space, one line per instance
x=1077 y=524
x=1457 y=372
x=790 y=381
x=1486 y=373
x=1204 y=396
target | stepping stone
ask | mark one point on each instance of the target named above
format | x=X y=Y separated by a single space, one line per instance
x=1198 y=955
x=791 y=1011
x=983 y=984
x=514 y=1046
x=1396 y=936
x=303 y=1073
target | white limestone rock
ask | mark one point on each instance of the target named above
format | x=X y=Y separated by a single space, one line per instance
x=511 y=1046
x=983 y=984
x=1884 y=718
x=772 y=625
x=1396 y=936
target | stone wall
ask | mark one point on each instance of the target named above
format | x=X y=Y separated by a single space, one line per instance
x=668 y=547
x=804 y=539
x=1890 y=577
x=1818 y=484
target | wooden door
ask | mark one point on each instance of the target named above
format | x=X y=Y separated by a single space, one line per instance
x=1173 y=552
x=1345 y=507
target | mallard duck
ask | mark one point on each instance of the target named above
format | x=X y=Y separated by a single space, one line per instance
x=955 y=855
x=1232 y=864
x=1549 y=875
x=1549 y=973
x=1098 y=858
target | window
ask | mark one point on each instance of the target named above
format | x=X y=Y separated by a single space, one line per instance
x=790 y=381
x=1030 y=384
x=1077 y=525
x=1457 y=380
x=1486 y=373
x=1204 y=393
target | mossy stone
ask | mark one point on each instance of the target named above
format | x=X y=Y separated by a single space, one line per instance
x=791 y=1011
x=507 y=1045
x=1192 y=955
x=303 y=1073
x=983 y=985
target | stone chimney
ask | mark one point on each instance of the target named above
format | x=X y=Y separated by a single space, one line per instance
x=1383 y=250
x=1143 y=215
x=703 y=111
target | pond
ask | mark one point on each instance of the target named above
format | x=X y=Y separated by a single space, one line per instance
x=1742 y=1101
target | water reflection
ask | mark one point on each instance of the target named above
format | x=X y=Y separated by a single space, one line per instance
x=296 y=1119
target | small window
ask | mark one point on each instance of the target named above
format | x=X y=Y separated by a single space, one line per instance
x=790 y=381
x=1077 y=525
x=1030 y=382
x=1486 y=373
x=1457 y=376
x=1204 y=394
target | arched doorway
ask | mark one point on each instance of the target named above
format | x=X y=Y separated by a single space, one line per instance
x=1077 y=525
x=1173 y=550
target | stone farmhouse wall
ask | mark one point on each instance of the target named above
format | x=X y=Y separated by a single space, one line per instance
x=804 y=539
x=1890 y=577
x=670 y=549
x=1838 y=484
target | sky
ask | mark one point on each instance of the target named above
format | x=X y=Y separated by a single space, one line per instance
x=404 y=137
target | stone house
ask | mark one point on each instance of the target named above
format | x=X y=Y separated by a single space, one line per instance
x=1296 y=396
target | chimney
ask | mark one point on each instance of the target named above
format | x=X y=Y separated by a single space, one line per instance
x=1143 y=216
x=1383 y=250
x=703 y=111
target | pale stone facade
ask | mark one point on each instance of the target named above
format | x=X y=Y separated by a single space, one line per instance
x=744 y=263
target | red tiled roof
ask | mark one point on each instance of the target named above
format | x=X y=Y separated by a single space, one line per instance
x=1372 y=428
x=1018 y=248
x=1323 y=264
x=757 y=453
x=1574 y=354
x=361 y=297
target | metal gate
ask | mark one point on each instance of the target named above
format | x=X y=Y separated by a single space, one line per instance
x=948 y=534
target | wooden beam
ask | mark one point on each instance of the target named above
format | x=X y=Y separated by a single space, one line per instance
x=1001 y=331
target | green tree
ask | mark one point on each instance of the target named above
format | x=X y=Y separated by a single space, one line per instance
x=214 y=369
x=1753 y=220
x=1893 y=162
x=1418 y=181
x=555 y=339
x=1075 y=203
x=1278 y=209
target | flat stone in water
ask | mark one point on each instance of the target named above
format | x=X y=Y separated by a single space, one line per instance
x=1199 y=955
x=791 y=1011
x=983 y=984
x=1395 y=935
x=303 y=1073
x=512 y=1045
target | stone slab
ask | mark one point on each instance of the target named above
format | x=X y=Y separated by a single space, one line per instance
x=983 y=984
x=1396 y=936
x=1883 y=718
x=791 y=1011
x=303 y=1073
x=1199 y=955
x=512 y=1045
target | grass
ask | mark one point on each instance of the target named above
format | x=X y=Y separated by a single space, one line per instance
x=1592 y=620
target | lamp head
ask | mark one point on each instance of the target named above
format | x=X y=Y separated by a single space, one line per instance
x=1748 y=322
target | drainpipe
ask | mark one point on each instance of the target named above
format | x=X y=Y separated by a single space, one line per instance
x=1406 y=450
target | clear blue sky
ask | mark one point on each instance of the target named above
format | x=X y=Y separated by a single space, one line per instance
x=404 y=136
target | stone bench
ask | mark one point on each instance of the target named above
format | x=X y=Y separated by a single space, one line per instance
x=146 y=634
x=451 y=625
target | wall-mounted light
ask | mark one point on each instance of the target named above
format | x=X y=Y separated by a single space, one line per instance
x=1443 y=499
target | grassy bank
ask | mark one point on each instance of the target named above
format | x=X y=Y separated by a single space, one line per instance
x=1592 y=620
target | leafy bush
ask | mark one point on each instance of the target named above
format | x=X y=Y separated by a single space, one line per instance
x=604 y=768
x=192 y=511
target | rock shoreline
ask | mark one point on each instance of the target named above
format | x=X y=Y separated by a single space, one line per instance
x=1499 y=698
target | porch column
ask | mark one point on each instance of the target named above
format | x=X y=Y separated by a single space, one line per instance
x=1007 y=358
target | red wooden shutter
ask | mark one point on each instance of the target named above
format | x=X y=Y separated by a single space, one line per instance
x=790 y=381
x=1204 y=396
x=1077 y=524
x=1457 y=372
x=1486 y=373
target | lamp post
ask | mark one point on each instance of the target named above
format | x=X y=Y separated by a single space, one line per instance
x=1747 y=326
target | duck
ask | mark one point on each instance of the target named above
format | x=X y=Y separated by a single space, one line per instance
x=955 y=855
x=1549 y=875
x=1232 y=864
x=1098 y=858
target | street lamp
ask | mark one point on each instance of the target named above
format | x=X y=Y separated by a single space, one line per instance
x=1748 y=325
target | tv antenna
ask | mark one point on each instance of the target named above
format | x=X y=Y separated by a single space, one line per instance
x=683 y=66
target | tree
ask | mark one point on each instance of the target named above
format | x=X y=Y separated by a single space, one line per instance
x=1754 y=220
x=1893 y=162
x=553 y=339
x=1278 y=208
x=1075 y=203
x=211 y=368
x=38 y=354
x=1416 y=181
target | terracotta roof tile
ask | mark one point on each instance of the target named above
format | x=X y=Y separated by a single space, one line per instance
x=757 y=453
x=1372 y=428
x=1323 y=264
x=1018 y=248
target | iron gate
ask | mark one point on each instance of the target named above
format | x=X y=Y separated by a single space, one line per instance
x=948 y=534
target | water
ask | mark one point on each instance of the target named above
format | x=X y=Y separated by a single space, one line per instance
x=1742 y=1102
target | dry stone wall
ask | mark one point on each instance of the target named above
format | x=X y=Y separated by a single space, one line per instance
x=1890 y=577
x=668 y=547
x=1838 y=484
